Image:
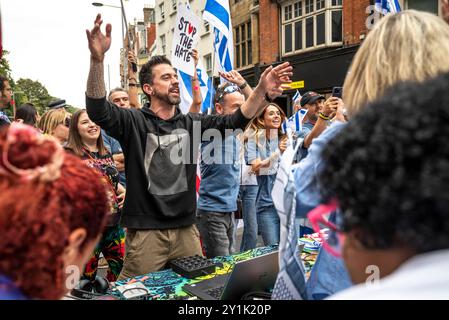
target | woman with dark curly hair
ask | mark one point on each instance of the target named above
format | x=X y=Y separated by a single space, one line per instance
x=49 y=233
x=392 y=188
x=382 y=61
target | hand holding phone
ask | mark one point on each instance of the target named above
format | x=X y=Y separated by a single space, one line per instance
x=337 y=92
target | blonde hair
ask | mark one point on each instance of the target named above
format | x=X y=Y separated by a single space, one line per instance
x=51 y=119
x=410 y=45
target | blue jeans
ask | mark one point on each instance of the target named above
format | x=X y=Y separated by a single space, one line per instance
x=248 y=196
x=269 y=225
x=217 y=232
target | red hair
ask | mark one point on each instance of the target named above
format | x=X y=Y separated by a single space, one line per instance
x=39 y=212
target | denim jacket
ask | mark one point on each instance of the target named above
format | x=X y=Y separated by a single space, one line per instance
x=329 y=274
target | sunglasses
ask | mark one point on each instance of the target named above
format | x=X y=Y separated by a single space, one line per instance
x=321 y=217
x=67 y=122
x=227 y=89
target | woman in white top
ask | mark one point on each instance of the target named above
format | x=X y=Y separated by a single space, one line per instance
x=389 y=175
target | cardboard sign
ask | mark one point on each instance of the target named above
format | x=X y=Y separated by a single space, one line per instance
x=185 y=38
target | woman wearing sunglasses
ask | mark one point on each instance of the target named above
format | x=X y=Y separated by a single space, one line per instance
x=392 y=188
x=56 y=122
x=86 y=142
x=265 y=145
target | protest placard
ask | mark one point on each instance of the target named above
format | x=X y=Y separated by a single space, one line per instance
x=185 y=39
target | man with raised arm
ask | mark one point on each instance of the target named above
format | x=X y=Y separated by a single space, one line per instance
x=160 y=147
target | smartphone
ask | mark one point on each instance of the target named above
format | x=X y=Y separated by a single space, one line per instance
x=337 y=92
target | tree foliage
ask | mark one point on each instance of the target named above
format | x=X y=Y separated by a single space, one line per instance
x=28 y=90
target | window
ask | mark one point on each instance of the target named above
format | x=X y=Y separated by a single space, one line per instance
x=208 y=64
x=337 y=26
x=161 y=8
x=298 y=9
x=288 y=12
x=206 y=27
x=243 y=45
x=309 y=6
x=424 y=5
x=319 y=4
x=174 y=5
x=163 y=43
x=311 y=24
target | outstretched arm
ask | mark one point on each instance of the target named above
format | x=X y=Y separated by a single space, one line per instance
x=195 y=107
x=236 y=78
x=132 y=78
x=271 y=84
x=99 y=43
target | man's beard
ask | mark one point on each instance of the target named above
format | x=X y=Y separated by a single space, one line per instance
x=167 y=98
x=313 y=117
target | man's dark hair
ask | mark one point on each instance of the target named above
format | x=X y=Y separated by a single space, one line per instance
x=389 y=169
x=27 y=112
x=2 y=83
x=146 y=72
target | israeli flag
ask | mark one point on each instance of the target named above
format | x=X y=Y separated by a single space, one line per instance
x=294 y=122
x=297 y=96
x=185 y=89
x=217 y=13
x=387 y=6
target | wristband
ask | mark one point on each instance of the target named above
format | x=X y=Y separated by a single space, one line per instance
x=243 y=86
x=267 y=97
x=322 y=116
x=196 y=88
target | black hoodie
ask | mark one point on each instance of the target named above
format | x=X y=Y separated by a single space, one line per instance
x=160 y=194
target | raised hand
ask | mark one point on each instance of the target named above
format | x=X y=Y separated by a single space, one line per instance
x=131 y=57
x=275 y=80
x=99 y=43
x=195 y=57
x=233 y=76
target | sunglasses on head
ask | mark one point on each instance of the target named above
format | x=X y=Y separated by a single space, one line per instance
x=227 y=89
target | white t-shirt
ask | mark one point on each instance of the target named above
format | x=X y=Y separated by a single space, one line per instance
x=423 y=277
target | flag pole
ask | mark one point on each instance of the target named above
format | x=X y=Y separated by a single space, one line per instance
x=213 y=72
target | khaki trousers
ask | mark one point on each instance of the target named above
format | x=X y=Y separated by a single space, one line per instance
x=149 y=250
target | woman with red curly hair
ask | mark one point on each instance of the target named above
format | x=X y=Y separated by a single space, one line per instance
x=49 y=233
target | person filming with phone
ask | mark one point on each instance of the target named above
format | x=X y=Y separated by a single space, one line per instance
x=319 y=114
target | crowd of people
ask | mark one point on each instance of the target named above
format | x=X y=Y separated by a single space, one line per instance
x=120 y=180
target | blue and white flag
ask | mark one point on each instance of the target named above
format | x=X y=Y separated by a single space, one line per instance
x=294 y=122
x=185 y=89
x=387 y=6
x=291 y=280
x=217 y=13
x=297 y=96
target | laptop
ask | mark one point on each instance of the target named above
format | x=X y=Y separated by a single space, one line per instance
x=254 y=275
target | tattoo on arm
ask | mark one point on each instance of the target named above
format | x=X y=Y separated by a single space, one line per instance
x=95 y=82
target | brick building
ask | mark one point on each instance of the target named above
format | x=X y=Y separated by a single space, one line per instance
x=318 y=37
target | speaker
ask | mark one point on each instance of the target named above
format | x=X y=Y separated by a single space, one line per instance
x=88 y=290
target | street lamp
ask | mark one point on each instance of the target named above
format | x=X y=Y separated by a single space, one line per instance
x=99 y=4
